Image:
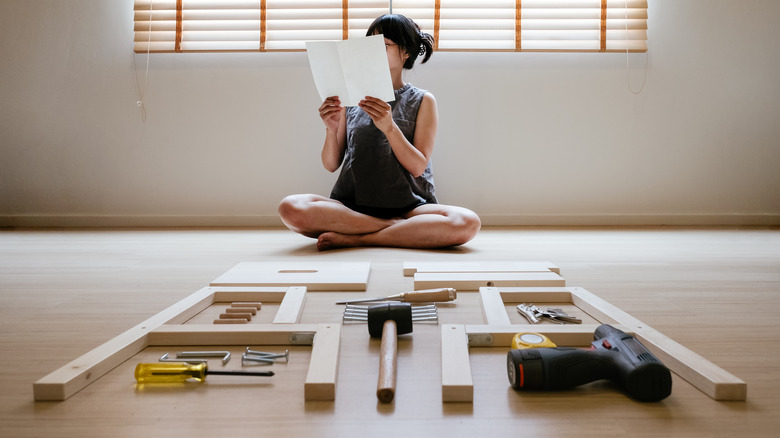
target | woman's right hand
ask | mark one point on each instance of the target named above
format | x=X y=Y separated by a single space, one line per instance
x=330 y=113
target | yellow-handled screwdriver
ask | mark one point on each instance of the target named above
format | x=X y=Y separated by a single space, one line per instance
x=170 y=372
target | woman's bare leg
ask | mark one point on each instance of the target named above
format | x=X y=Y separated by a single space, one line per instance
x=312 y=215
x=427 y=226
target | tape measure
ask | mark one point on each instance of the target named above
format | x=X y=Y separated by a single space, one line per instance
x=531 y=340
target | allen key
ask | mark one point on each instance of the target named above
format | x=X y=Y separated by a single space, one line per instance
x=225 y=355
x=165 y=358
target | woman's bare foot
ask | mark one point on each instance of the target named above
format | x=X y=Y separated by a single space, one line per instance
x=331 y=240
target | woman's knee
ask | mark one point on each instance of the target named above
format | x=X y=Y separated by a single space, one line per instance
x=292 y=210
x=468 y=225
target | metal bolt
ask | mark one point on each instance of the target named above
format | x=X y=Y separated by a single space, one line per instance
x=267 y=355
x=263 y=360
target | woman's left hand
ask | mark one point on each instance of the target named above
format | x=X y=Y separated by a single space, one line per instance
x=379 y=111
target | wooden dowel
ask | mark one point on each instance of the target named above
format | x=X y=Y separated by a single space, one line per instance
x=247 y=316
x=250 y=310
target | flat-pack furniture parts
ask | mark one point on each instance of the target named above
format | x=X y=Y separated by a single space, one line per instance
x=167 y=328
x=315 y=276
x=470 y=276
x=457 y=383
x=411 y=268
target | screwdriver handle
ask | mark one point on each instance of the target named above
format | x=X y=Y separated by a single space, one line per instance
x=170 y=372
x=429 y=295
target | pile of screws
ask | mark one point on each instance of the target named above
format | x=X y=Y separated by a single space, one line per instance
x=250 y=357
x=263 y=357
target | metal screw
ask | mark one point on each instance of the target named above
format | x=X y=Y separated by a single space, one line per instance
x=267 y=355
x=265 y=361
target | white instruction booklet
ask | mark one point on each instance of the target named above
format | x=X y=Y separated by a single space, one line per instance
x=351 y=69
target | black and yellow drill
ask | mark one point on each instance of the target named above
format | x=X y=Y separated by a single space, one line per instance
x=615 y=355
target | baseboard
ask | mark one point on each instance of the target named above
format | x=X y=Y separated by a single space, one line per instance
x=631 y=219
x=272 y=220
x=45 y=221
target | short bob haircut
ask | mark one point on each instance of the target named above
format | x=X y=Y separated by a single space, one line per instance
x=406 y=33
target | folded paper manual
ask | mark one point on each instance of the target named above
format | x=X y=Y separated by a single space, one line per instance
x=351 y=69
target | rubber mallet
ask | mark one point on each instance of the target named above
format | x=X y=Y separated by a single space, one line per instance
x=387 y=321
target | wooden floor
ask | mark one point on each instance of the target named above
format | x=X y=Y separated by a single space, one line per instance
x=62 y=293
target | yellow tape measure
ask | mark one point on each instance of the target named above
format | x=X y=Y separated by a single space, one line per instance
x=531 y=340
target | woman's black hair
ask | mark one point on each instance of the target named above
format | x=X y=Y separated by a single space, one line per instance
x=406 y=33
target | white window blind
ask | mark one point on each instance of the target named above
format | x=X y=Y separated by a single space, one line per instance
x=457 y=25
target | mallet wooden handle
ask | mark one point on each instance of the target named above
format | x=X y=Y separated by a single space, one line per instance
x=385 y=388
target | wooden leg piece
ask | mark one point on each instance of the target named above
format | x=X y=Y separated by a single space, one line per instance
x=456 y=382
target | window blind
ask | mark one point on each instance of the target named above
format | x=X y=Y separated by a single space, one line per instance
x=457 y=25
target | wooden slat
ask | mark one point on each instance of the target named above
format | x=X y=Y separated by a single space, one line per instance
x=603 y=33
x=518 y=26
x=472 y=281
x=456 y=381
x=320 y=382
x=208 y=334
x=436 y=24
x=74 y=376
x=413 y=267
x=536 y=294
x=570 y=335
x=493 y=309
x=263 y=24
x=179 y=25
x=344 y=19
x=292 y=306
x=701 y=373
x=228 y=294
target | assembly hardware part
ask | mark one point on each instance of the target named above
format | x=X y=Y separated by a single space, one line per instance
x=251 y=310
x=245 y=315
x=165 y=358
x=302 y=339
x=414 y=318
x=480 y=340
x=231 y=321
x=528 y=312
x=560 y=316
x=419 y=296
x=415 y=309
x=534 y=315
x=256 y=306
x=225 y=355
x=263 y=360
x=417 y=313
x=267 y=355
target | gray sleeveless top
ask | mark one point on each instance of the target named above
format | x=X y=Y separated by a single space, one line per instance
x=371 y=175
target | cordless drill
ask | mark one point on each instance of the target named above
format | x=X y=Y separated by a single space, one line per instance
x=614 y=355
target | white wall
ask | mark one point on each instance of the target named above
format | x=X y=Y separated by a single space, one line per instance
x=524 y=138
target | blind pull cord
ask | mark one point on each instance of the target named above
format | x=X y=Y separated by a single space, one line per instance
x=142 y=90
x=647 y=60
